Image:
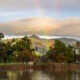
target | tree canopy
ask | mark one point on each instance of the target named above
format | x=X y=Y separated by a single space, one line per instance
x=61 y=53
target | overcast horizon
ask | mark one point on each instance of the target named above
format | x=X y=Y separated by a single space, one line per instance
x=40 y=36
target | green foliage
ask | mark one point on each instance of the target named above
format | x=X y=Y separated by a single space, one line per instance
x=23 y=44
x=1 y=35
x=26 y=56
x=61 y=58
x=21 y=50
x=52 y=54
x=2 y=51
x=1 y=46
x=69 y=53
x=24 y=49
x=61 y=53
x=59 y=46
x=12 y=52
x=13 y=40
x=5 y=51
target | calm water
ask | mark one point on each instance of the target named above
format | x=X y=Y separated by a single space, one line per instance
x=39 y=75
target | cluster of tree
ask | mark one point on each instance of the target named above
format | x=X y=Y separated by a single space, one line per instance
x=22 y=51
x=59 y=52
x=16 y=51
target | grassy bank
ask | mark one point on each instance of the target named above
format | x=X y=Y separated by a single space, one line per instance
x=12 y=63
x=3 y=64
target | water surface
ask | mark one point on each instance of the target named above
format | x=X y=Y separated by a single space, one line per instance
x=39 y=75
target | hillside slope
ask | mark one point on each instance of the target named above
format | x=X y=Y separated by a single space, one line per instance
x=41 y=45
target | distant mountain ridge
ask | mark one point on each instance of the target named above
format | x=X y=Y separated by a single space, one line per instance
x=68 y=41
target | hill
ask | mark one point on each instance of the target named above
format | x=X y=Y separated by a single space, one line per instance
x=42 y=45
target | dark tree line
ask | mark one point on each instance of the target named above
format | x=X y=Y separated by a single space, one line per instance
x=16 y=50
x=59 y=52
x=23 y=51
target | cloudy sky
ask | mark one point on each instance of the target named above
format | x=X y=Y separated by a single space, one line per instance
x=58 y=9
x=49 y=17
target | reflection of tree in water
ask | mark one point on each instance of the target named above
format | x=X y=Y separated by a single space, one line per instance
x=39 y=75
x=77 y=75
x=60 y=75
x=3 y=75
x=26 y=75
x=70 y=75
x=19 y=75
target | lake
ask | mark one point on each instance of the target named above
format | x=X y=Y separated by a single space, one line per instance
x=39 y=75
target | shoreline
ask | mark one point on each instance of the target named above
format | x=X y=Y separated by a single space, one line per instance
x=55 y=67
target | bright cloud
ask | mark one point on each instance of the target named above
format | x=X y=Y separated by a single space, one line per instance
x=42 y=26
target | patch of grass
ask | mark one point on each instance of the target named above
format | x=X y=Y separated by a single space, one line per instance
x=8 y=63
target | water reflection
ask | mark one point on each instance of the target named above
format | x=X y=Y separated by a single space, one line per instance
x=39 y=75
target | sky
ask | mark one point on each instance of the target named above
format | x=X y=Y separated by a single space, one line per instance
x=58 y=9
x=47 y=17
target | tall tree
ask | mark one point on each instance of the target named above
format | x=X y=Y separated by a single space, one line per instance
x=1 y=35
x=1 y=46
x=52 y=54
x=59 y=46
x=23 y=44
x=26 y=56
x=69 y=53
x=24 y=48
x=60 y=52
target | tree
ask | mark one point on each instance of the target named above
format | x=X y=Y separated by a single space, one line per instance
x=1 y=35
x=24 y=49
x=6 y=51
x=1 y=51
x=69 y=53
x=60 y=53
x=1 y=46
x=13 y=40
x=59 y=46
x=9 y=50
x=52 y=54
x=61 y=58
x=23 y=44
x=26 y=56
